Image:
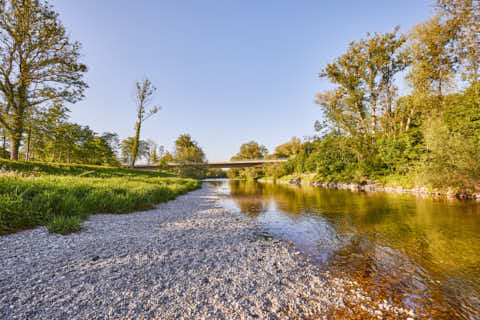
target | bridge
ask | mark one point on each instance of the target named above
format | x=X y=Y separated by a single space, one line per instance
x=221 y=164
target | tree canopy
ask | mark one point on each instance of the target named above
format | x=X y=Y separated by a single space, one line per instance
x=39 y=64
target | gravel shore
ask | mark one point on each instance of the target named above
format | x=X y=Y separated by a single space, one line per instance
x=187 y=259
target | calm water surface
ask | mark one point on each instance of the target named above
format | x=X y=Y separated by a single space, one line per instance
x=422 y=252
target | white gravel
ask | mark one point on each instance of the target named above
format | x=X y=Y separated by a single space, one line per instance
x=187 y=259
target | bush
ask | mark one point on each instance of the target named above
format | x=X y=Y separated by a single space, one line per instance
x=451 y=158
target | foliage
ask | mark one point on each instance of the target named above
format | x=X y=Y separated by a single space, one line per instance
x=464 y=15
x=452 y=142
x=38 y=64
x=428 y=137
x=35 y=194
x=189 y=152
x=127 y=146
x=276 y=171
x=432 y=51
x=248 y=151
x=364 y=78
x=51 y=137
x=431 y=135
x=288 y=149
x=216 y=173
x=143 y=98
x=164 y=159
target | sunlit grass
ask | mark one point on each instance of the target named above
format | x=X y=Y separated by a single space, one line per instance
x=65 y=225
x=61 y=196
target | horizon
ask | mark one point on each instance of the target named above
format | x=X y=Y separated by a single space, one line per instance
x=225 y=73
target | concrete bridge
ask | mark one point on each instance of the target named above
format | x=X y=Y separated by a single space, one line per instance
x=220 y=164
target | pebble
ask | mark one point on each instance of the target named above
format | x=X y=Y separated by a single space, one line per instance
x=187 y=259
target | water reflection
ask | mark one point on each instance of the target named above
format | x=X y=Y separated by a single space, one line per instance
x=424 y=252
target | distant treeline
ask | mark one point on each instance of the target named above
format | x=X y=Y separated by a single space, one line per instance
x=428 y=135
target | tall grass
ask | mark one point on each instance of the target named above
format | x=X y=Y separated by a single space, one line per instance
x=60 y=196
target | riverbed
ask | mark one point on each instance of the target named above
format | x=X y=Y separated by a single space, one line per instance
x=421 y=252
x=190 y=258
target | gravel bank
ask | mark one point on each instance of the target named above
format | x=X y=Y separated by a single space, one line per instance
x=187 y=259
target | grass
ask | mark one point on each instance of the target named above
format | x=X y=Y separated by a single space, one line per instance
x=61 y=196
x=65 y=225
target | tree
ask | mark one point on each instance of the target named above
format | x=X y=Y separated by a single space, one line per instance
x=4 y=144
x=465 y=16
x=344 y=106
x=288 y=149
x=251 y=150
x=364 y=76
x=112 y=139
x=384 y=58
x=248 y=151
x=38 y=64
x=164 y=159
x=188 y=151
x=143 y=98
x=432 y=51
x=153 y=157
x=126 y=148
x=161 y=152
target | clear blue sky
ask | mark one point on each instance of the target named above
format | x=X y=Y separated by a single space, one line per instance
x=227 y=72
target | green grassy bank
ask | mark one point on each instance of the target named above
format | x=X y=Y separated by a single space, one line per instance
x=61 y=196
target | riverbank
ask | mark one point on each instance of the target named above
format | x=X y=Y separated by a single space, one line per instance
x=372 y=186
x=61 y=196
x=188 y=258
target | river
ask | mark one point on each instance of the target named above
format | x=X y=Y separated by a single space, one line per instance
x=420 y=252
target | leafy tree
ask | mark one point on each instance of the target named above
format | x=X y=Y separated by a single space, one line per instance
x=364 y=77
x=344 y=107
x=112 y=139
x=251 y=150
x=143 y=98
x=432 y=51
x=288 y=149
x=126 y=149
x=465 y=16
x=383 y=58
x=189 y=152
x=216 y=173
x=165 y=158
x=38 y=64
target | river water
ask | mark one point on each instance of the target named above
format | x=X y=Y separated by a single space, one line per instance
x=420 y=252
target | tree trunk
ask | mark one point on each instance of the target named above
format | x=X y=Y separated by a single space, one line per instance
x=136 y=141
x=29 y=138
x=4 y=151
x=15 y=147
x=16 y=136
x=374 y=115
x=18 y=125
x=440 y=85
x=409 y=120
